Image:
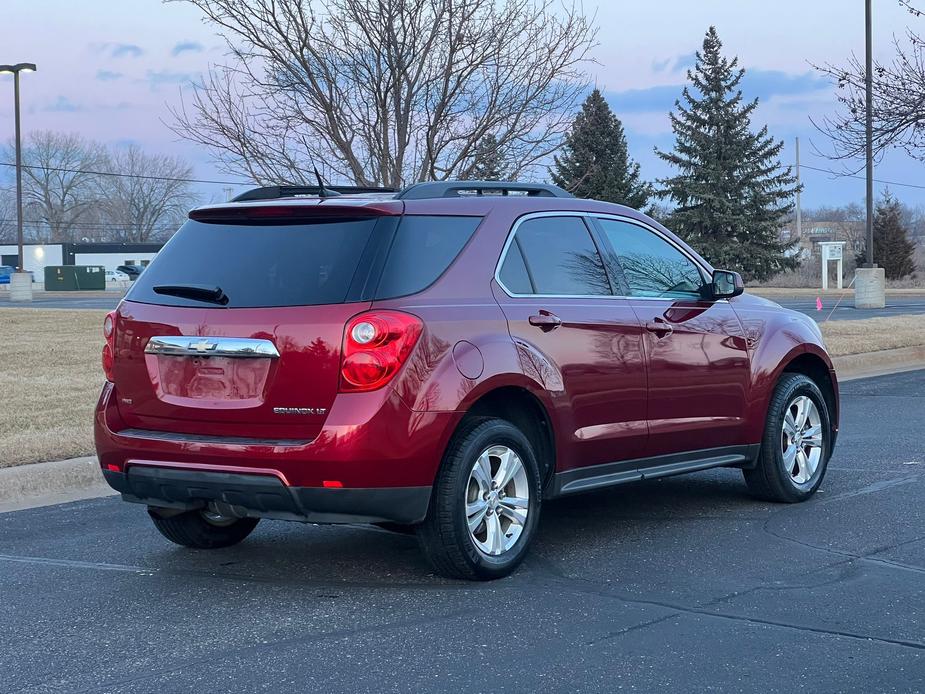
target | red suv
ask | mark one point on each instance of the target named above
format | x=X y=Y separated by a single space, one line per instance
x=445 y=358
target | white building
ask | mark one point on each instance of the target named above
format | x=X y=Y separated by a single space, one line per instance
x=37 y=256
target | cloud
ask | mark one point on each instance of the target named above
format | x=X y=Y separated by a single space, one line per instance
x=763 y=84
x=158 y=78
x=767 y=83
x=651 y=99
x=187 y=47
x=675 y=64
x=108 y=75
x=62 y=105
x=118 y=50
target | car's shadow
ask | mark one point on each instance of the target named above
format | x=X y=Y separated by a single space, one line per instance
x=311 y=555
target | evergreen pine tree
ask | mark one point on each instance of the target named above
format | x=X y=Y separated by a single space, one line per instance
x=595 y=163
x=893 y=250
x=487 y=163
x=730 y=191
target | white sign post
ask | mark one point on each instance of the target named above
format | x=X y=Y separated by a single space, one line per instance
x=832 y=251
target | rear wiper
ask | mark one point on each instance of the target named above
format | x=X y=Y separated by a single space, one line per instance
x=197 y=292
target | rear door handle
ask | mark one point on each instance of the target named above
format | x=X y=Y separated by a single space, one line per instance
x=660 y=327
x=545 y=320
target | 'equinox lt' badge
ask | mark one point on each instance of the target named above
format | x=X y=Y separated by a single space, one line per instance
x=300 y=410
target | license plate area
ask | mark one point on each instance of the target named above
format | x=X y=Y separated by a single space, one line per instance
x=209 y=381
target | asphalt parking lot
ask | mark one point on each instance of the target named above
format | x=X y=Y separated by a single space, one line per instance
x=845 y=310
x=105 y=301
x=684 y=584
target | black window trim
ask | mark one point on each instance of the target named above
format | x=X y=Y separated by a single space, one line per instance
x=589 y=218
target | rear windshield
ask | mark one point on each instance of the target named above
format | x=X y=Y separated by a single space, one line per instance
x=257 y=266
x=328 y=262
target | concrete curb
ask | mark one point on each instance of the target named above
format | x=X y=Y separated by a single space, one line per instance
x=887 y=361
x=38 y=484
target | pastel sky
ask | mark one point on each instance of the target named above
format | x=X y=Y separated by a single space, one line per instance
x=109 y=69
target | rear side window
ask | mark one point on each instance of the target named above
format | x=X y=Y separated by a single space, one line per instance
x=259 y=265
x=514 y=273
x=423 y=248
x=559 y=258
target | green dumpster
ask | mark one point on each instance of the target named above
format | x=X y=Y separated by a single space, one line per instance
x=74 y=278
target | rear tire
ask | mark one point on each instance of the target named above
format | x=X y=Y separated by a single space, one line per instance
x=796 y=445
x=195 y=529
x=485 y=504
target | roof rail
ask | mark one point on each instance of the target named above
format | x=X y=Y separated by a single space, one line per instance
x=456 y=189
x=274 y=192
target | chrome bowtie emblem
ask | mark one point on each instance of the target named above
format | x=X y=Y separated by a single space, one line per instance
x=203 y=346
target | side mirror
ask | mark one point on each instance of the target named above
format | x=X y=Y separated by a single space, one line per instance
x=726 y=284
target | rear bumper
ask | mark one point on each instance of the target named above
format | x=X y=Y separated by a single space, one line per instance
x=265 y=496
x=374 y=460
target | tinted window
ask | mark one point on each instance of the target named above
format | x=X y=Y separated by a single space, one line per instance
x=561 y=258
x=651 y=266
x=424 y=247
x=290 y=265
x=514 y=272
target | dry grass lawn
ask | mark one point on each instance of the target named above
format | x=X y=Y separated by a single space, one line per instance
x=50 y=378
x=50 y=374
x=858 y=336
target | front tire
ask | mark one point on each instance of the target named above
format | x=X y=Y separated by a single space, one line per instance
x=485 y=504
x=201 y=529
x=797 y=443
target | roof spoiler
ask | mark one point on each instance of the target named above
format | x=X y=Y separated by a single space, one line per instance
x=295 y=213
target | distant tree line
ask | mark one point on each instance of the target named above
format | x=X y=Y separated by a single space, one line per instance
x=68 y=195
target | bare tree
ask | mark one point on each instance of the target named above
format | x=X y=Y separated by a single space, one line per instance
x=59 y=191
x=846 y=222
x=386 y=91
x=149 y=197
x=898 y=101
x=7 y=215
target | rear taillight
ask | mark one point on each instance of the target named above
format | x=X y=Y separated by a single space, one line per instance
x=376 y=344
x=109 y=332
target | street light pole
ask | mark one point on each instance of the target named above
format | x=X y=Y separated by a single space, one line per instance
x=19 y=235
x=22 y=293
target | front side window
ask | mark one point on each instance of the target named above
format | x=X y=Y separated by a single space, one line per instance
x=651 y=266
x=554 y=255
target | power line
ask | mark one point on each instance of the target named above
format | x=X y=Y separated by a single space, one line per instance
x=836 y=174
x=102 y=225
x=57 y=169
x=877 y=180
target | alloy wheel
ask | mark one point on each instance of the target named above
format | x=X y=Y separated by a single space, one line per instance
x=497 y=500
x=801 y=439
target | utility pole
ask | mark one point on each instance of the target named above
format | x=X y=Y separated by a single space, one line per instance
x=799 y=211
x=869 y=125
x=869 y=280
